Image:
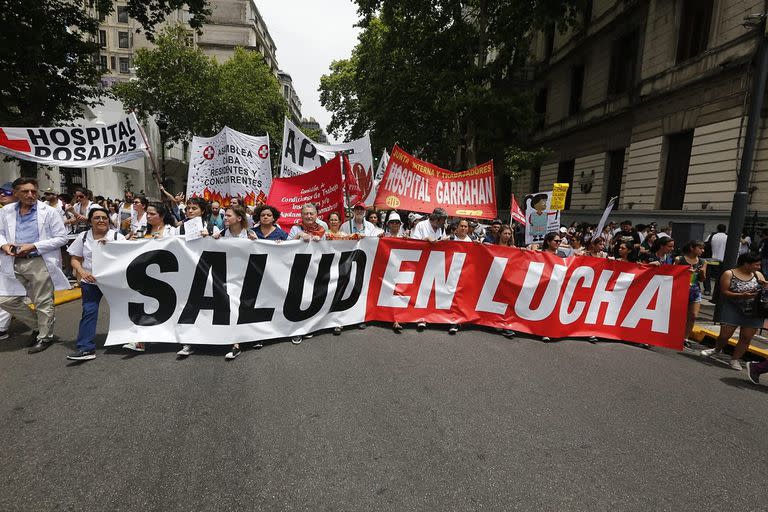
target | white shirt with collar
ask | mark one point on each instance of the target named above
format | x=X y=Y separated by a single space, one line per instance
x=424 y=230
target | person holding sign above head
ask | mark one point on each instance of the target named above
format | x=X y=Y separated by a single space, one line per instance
x=159 y=225
x=310 y=228
x=266 y=228
x=431 y=230
x=358 y=226
x=81 y=251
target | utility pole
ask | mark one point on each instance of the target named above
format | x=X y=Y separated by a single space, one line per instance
x=741 y=197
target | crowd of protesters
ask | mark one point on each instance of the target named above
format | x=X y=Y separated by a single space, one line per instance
x=39 y=239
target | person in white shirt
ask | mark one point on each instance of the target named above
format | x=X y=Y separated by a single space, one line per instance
x=80 y=207
x=461 y=234
x=358 y=225
x=432 y=229
x=394 y=226
x=139 y=217
x=81 y=251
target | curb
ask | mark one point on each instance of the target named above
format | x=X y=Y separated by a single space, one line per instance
x=64 y=296
x=699 y=333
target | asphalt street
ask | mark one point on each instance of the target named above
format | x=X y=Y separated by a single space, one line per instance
x=371 y=420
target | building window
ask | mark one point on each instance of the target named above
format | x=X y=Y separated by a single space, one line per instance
x=103 y=63
x=577 y=89
x=676 y=173
x=103 y=38
x=122 y=14
x=695 y=21
x=189 y=39
x=125 y=63
x=549 y=41
x=122 y=40
x=565 y=171
x=535 y=179
x=102 y=17
x=615 y=173
x=621 y=77
x=112 y=62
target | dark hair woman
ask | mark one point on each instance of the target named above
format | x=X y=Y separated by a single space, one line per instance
x=81 y=251
x=265 y=218
x=691 y=257
x=551 y=244
x=738 y=289
x=138 y=220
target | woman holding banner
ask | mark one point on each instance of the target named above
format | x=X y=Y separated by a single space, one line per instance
x=506 y=236
x=394 y=228
x=236 y=224
x=334 y=230
x=81 y=251
x=691 y=257
x=266 y=228
x=159 y=225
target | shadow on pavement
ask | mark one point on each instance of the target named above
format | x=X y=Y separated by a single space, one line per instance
x=744 y=384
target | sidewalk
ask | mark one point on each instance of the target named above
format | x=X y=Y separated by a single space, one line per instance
x=706 y=328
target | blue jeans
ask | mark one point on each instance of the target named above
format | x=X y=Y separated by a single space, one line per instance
x=87 y=333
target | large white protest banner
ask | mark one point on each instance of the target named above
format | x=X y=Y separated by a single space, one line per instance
x=300 y=154
x=78 y=146
x=224 y=291
x=230 y=164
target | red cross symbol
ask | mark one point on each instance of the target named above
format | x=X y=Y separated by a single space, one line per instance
x=14 y=144
x=209 y=153
x=263 y=152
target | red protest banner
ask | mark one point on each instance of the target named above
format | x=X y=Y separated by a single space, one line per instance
x=322 y=187
x=515 y=212
x=527 y=291
x=416 y=185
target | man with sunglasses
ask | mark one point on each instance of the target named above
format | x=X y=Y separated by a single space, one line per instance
x=31 y=235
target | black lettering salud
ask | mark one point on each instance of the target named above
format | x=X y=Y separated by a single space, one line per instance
x=292 y=308
x=254 y=273
x=162 y=292
x=348 y=258
x=215 y=264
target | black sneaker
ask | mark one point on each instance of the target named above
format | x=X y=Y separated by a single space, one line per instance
x=82 y=356
x=258 y=344
x=4 y=335
x=233 y=353
x=752 y=375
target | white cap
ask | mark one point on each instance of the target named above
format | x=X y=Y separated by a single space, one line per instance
x=413 y=216
x=393 y=215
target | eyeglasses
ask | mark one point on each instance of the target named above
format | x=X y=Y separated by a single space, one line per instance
x=99 y=219
x=137 y=202
x=395 y=221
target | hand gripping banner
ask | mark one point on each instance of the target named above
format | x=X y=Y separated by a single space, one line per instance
x=86 y=146
x=234 y=290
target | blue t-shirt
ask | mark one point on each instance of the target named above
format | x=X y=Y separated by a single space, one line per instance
x=277 y=234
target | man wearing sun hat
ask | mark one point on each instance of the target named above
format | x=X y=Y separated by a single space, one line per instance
x=358 y=225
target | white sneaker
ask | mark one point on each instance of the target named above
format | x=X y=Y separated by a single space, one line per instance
x=233 y=353
x=134 y=346
x=735 y=364
x=453 y=329
x=546 y=338
x=420 y=326
x=708 y=352
x=296 y=340
x=185 y=351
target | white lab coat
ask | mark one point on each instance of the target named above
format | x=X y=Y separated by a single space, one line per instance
x=53 y=235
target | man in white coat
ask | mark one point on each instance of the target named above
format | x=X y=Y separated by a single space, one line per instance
x=31 y=235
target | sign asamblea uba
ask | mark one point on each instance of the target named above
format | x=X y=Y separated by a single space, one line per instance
x=230 y=165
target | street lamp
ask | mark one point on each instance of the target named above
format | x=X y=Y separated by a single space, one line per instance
x=756 y=22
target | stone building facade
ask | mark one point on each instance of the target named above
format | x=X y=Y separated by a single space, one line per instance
x=647 y=100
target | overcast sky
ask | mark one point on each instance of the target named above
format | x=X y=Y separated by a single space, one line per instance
x=309 y=34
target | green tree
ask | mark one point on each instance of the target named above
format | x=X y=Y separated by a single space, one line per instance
x=175 y=83
x=442 y=77
x=49 y=56
x=190 y=94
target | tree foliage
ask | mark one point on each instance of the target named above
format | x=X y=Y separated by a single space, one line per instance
x=49 y=54
x=444 y=78
x=190 y=94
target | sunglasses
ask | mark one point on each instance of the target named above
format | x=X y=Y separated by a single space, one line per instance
x=395 y=221
x=556 y=240
x=6 y=193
